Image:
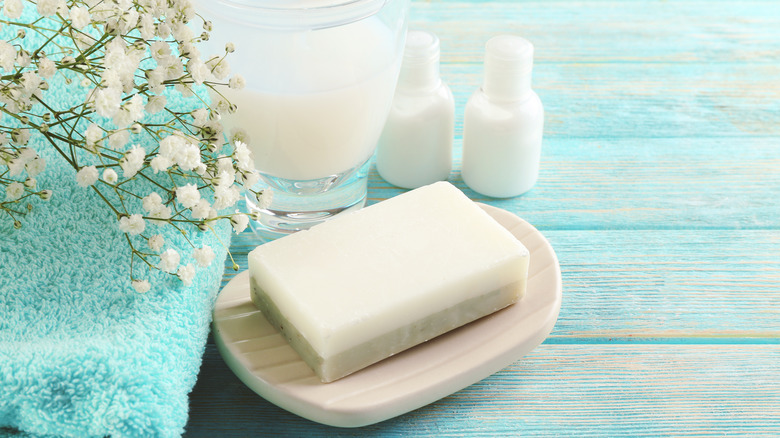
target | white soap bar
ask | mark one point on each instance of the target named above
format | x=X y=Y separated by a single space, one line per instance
x=366 y=285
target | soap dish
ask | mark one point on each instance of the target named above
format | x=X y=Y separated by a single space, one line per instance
x=266 y=363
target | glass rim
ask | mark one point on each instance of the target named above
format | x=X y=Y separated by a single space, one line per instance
x=285 y=14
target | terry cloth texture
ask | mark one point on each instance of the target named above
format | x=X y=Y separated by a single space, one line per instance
x=82 y=354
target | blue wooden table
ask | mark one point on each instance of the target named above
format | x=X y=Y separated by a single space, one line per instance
x=660 y=192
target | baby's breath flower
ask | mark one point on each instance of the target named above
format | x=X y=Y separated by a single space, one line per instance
x=188 y=195
x=30 y=81
x=50 y=7
x=199 y=116
x=155 y=79
x=250 y=178
x=219 y=67
x=225 y=164
x=203 y=256
x=23 y=58
x=182 y=33
x=14 y=191
x=163 y=31
x=239 y=135
x=170 y=145
x=155 y=104
x=189 y=51
x=201 y=210
x=79 y=17
x=237 y=82
x=46 y=68
x=225 y=197
x=160 y=163
x=87 y=176
x=15 y=167
x=100 y=46
x=7 y=56
x=243 y=156
x=27 y=154
x=188 y=156
x=141 y=286
x=156 y=242
x=239 y=222
x=146 y=26
x=107 y=101
x=13 y=9
x=93 y=135
x=186 y=274
x=132 y=162
x=151 y=201
x=153 y=205
x=265 y=198
x=20 y=136
x=35 y=166
x=110 y=176
x=160 y=51
x=169 y=260
x=199 y=71
x=133 y=224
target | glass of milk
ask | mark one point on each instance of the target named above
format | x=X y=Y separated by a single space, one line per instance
x=320 y=78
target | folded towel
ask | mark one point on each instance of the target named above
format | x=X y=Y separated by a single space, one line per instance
x=82 y=354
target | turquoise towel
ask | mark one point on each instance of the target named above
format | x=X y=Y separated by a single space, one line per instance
x=81 y=354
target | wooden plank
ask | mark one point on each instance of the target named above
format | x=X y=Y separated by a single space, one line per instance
x=659 y=285
x=645 y=100
x=609 y=31
x=572 y=390
x=692 y=286
x=613 y=69
x=645 y=183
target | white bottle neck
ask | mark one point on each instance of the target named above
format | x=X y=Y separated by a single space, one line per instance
x=420 y=67
x=508 y=67
x=420 y=76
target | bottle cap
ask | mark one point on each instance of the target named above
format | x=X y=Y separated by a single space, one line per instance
x=509 y=60
x=420 y=67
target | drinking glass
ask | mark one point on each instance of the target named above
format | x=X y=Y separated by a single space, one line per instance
x=320 y=77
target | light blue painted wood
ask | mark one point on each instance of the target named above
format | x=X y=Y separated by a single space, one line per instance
x=649 y=286
x=640 y=183
x=557 y=390
x=659 y=190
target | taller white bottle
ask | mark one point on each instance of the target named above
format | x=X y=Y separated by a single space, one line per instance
x=415 y=148
x=503 y=123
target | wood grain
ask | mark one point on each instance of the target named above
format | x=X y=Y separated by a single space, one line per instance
x=660 y=192
x=651 y=285
x=557 y=390
x=688 y=183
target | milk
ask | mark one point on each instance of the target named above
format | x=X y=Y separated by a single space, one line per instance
x=315 y=101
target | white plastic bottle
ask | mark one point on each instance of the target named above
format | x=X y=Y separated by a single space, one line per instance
x=503 y=123
x=415 y=148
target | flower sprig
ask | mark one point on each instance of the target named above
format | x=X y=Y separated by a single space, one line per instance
x=125 y=59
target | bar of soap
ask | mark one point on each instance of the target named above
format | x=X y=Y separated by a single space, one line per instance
x=361 y=287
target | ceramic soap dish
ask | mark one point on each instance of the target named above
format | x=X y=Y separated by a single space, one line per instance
x=264 y=361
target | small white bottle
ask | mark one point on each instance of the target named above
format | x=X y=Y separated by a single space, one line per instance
x=503 y=123
x=415 y=148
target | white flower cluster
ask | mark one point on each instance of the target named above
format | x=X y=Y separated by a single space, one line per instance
x=124 y=55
